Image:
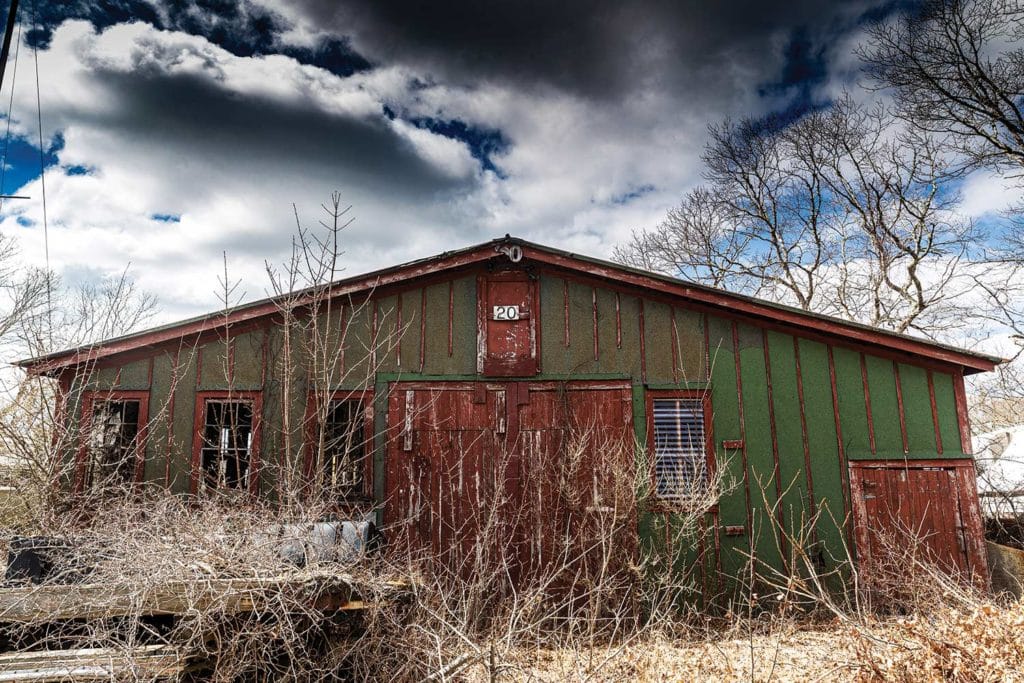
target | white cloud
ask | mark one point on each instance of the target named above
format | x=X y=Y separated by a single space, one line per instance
x=987 y=194
x=173 y=125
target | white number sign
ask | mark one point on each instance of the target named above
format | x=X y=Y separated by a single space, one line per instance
x=506 y=313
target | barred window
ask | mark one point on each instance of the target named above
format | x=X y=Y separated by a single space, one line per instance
x=680 y=452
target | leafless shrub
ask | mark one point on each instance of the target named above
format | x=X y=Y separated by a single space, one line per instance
x=567 y=573
x=224 y=575
x=552 y=563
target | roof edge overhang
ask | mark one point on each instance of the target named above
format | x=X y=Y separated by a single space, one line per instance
x=970 y=361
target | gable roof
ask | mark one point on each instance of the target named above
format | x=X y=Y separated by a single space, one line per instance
x=711 y=297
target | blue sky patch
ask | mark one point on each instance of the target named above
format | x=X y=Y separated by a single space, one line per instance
x=632 y=194
x=166 y=217
x=804 y=69
x=22 y=162
x=331 y=54
x=78 y=169
x=483 y=143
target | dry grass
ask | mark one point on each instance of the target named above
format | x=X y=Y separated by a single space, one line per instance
x=985 y=643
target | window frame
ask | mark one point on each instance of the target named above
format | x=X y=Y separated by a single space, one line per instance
x=89 y=400
x=199 y=423
x=710 y=461
x=366 y=396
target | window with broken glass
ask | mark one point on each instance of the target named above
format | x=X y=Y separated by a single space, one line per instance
x=112 y=443
x=342 y=444
x=227 y=443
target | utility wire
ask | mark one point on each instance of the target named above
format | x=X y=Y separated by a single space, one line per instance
x=10 y=114
x=5 y=50
x=42 y=181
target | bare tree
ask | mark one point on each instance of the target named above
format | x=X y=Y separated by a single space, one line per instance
x=101 y=310
x=776 y=202
x=316 y=353
x=23 y=292
x=756 y=228
x=697 y=241
x=901 y=259
x=42 y=316
x=956 y=68
x=840 y=212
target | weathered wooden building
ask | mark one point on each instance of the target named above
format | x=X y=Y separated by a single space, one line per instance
x=439 y=363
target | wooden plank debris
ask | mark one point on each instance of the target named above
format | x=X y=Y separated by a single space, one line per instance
x=96 y=601
x=147 y=662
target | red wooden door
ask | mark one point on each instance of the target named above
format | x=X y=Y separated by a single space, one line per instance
x=440 y=439
x=509 y=476
x=507 y=325
x=577 y=452
x=925 y=511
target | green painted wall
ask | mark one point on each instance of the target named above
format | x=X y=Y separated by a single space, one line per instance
x=919 y=423
x=160 y=418
x=180 y=455
x=826 y=466
x=734 y=502
x=884 y=408
x=853 y=414
x=761 y=475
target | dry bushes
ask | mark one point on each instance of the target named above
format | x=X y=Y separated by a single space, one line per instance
x=215 y=579
x=548 y=560
x=947 y=629
x=981 y=644
x=539 y=581
x=550 y=565
x=947 y=626
x=598 y=611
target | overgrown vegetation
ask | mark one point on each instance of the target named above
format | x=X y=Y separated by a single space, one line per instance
x=596 y=608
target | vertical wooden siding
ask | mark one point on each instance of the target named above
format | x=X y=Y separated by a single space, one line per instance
x=827 y=467
x=734 y=508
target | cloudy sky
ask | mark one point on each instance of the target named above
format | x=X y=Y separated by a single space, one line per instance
x=176 y=130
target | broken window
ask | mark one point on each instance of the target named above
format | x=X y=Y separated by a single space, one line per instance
x=343 y=446
x=227 y=443
x=680 y=449
x=112 y=442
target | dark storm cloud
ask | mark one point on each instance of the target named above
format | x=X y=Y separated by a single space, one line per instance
x=205 y=123
x=593 y=126
x=597 y=49
x=241 y=27
x=704 y=52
